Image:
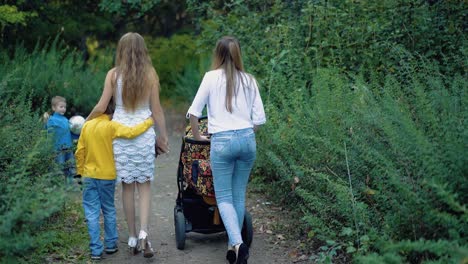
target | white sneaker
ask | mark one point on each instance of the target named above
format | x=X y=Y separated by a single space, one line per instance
x=132 y=242
x=142 y=235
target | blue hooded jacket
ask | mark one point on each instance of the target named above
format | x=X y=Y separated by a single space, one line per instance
x=59 y=127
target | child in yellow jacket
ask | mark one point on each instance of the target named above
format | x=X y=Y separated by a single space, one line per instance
x=95 y=163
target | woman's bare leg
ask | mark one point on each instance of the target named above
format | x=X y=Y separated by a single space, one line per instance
x=144 y=193
x=128 y=200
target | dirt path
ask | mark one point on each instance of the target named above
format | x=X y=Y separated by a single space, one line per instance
x=199 y=248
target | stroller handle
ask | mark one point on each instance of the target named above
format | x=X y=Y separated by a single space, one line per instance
x=194 y=141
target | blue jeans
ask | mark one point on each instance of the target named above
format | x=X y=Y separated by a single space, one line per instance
x=232 y=157
x=99 y=195
x=66 y=159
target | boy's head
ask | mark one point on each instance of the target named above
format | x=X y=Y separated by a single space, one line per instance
x=59 y=104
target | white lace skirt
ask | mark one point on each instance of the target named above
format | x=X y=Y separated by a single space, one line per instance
x=134 y=158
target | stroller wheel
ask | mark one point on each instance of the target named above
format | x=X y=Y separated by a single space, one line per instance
x=179 y=222
x=247 y=229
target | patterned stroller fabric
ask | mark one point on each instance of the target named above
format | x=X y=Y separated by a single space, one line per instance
x=196 y=209
x=195 y=158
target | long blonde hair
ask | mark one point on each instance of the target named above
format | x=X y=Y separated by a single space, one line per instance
x=134 y=66
x=227 y=56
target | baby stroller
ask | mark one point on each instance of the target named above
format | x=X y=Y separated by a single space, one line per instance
x=195 y=209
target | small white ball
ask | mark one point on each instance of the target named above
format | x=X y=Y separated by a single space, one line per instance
x=76 y=123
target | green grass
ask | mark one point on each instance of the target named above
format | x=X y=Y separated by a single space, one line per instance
x=64 y=239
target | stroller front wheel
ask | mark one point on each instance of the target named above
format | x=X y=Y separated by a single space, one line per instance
x=179 y=223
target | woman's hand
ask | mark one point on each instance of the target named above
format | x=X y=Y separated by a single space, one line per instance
x=195 y=129
x=162 y=145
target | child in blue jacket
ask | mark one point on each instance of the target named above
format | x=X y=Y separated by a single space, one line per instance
x=58 y=126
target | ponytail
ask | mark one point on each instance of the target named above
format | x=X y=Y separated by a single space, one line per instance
x=45 y=117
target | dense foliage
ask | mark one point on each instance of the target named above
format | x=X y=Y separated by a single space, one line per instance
x=50 y=70
x=179 y=65
x=30 y=191
x=78 y=21
x=366 y=105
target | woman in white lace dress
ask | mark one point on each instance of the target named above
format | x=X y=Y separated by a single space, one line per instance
x=134 y=84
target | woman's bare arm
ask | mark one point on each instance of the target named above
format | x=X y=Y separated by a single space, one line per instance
x=195 y=129
x=158 y=116
x=107 y=93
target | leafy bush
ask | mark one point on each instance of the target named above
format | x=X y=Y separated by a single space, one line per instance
x=31 y=185
x=404 y=146
x=51 y=70
x=350 y=35
x=187 y=83
x=175 y=57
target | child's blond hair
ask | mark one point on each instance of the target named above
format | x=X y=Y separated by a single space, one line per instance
x=54 y=101
x=57 y=99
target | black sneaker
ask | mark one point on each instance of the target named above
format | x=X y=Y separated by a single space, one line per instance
x=111 y=250
x=231 y=256
x=242 y=254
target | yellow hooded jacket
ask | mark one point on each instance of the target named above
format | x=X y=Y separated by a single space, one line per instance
x=94 y=155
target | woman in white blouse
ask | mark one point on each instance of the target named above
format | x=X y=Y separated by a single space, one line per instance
x=235 y=109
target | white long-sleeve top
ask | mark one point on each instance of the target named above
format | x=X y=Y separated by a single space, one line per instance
x=247 y=106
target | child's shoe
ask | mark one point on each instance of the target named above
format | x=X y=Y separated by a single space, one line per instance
x=96 y=257
x=111 y=250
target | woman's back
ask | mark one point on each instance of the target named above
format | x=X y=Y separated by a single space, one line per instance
x=128 y=117
x=247 y=107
